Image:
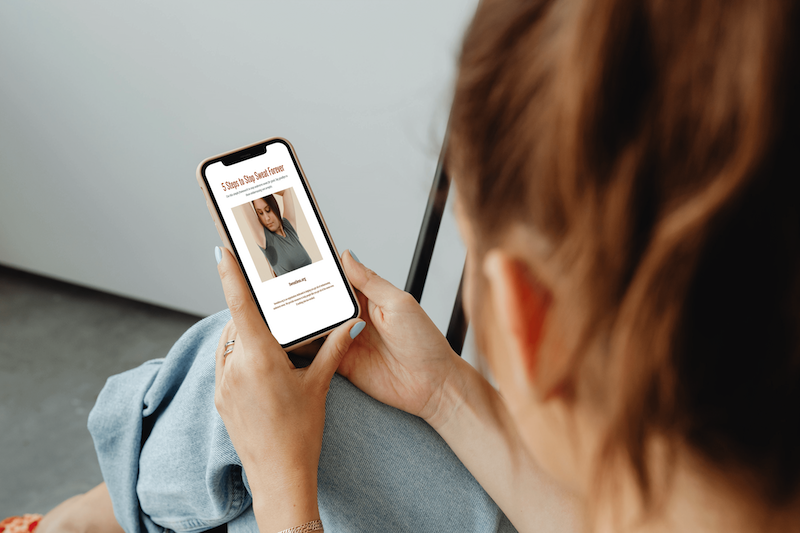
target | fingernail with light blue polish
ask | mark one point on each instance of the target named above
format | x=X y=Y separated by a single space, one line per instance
x=218 y=254
x=354 y=256
x=358 y=328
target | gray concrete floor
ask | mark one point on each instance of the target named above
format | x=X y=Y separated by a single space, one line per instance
x=58 y=344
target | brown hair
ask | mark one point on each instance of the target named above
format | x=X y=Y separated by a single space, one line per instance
x=272 y=203
x=650 y=144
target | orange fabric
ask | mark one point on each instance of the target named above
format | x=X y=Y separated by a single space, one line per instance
x=20 y=524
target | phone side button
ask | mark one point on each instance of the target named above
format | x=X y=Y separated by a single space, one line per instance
x=219 y=231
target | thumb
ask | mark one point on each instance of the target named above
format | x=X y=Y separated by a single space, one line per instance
x=334 y=348
x=375 y=288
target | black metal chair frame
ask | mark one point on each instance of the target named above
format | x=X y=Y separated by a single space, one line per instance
x=423 y=253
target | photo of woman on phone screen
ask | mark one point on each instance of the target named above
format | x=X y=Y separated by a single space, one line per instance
x=275 y=232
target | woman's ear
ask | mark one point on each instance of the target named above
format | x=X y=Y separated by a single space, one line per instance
x=520 y=304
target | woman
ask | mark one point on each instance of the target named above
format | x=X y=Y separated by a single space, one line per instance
x=627 y=188
x=276 y=236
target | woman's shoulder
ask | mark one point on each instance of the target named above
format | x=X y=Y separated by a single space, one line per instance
x=288 y=227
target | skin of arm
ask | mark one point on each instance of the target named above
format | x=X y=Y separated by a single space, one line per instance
x=403 y=360
x=257 y=230
x=473 y=419
x=289 y=212
x=255 y=226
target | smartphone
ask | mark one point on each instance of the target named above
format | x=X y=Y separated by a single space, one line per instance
x=268 y=218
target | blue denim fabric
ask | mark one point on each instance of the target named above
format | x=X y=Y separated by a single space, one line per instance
x=170 y=465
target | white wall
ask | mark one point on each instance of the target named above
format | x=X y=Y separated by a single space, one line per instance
x=106 y=108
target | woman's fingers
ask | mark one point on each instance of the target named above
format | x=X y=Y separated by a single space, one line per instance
x=333 y=350
x=244 y=312
x=375 y=288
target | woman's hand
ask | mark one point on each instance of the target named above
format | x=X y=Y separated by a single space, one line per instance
x=274 y=412
x=401 y=358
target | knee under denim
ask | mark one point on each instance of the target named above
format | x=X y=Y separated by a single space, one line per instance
x=170 y=466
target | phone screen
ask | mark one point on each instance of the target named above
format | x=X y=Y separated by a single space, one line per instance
x=279 y=240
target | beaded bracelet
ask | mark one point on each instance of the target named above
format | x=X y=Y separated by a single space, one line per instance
x=314 y=525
